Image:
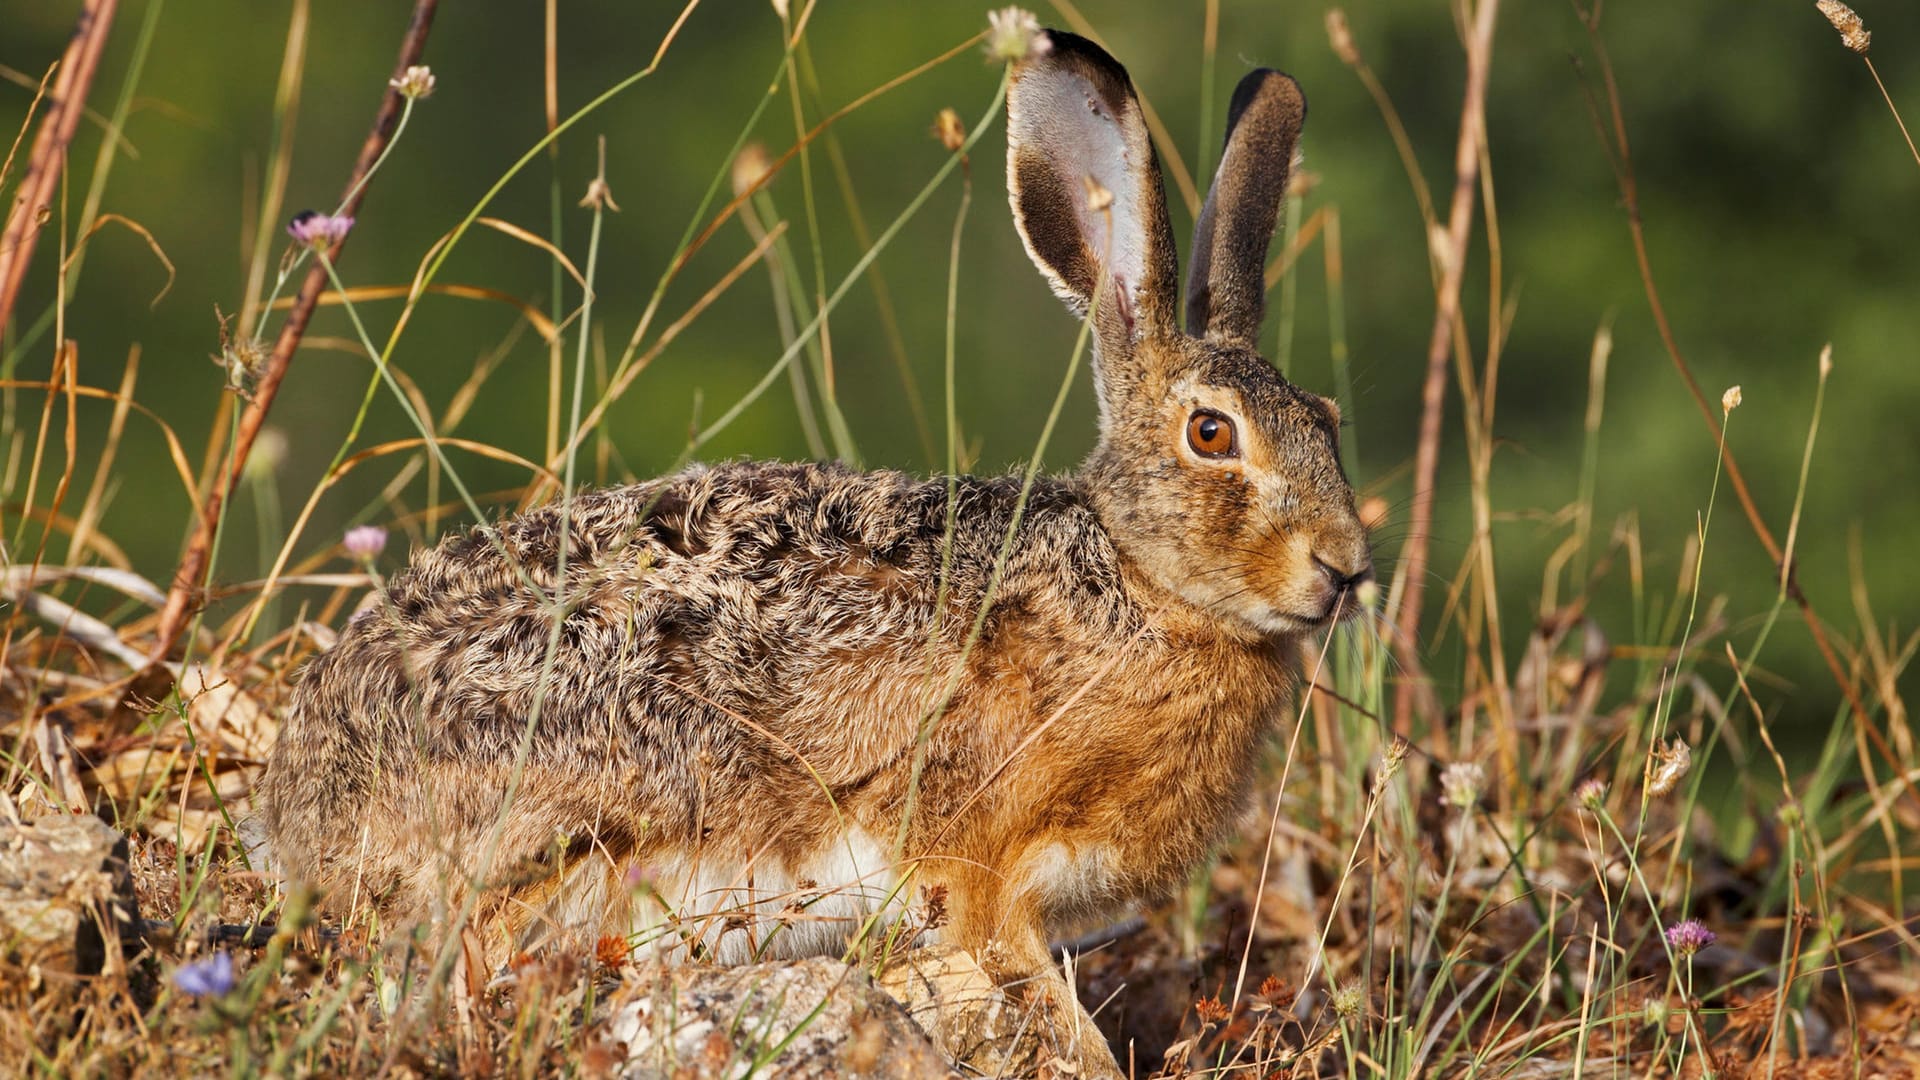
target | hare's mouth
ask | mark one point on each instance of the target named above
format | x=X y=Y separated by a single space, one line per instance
x=1349 y=603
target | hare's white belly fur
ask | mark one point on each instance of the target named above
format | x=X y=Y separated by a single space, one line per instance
x=727 y=910
x=733 y=911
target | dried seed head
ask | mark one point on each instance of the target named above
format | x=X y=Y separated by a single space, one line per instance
x=780 y=8
x=1826 y=361
x=1670 y=764
x=949 y=130
x=611 y=952
x=1014 y=34
x=1098 y=197
x=1730 y=400
x=1211 y=1010
x=1390 y=763
x=599 y=196
x=1853 y=32
x=1341 y=38
x=1348 y=1001
x=416 y=82
x=749 y=168
x=1460 y=785
x=242 y=359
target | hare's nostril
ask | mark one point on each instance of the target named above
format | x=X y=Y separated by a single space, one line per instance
x=1345 y=580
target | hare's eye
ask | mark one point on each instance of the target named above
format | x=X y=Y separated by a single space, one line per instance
x=1211 y=435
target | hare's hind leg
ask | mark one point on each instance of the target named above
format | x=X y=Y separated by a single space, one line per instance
x=1007 y=935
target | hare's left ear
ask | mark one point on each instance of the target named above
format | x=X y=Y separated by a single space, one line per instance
x=1086 y=195
x=1226 y=286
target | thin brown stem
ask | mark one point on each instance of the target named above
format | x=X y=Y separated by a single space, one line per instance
x=1630 y=197
x=193 y=565
x=49 y=155
x=1411 y=575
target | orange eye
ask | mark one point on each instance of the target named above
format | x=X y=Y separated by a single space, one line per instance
x=1211 y=435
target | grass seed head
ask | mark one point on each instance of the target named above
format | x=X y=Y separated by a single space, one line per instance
x=949 y=130
x=599 y=196
x=1853 y=31
x=1348 y=1001
x=749 y=168
x=1341 y=38
x=1730 y=400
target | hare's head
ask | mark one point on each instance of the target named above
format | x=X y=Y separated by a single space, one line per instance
x=1220 y=477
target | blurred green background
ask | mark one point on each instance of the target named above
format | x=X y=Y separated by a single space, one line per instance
x=1778 y=194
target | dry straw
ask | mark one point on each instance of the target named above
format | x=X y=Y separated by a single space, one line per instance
x=1853 y=32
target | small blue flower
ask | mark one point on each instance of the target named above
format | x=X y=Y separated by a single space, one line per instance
x=212 y=977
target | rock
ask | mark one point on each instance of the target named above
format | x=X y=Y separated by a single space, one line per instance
x=813 y=1018
x=66 y=899
x=973 y=1021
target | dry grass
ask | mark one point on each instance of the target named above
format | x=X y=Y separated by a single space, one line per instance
x=1496 y=897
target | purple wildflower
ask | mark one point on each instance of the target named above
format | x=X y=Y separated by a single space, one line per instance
x=211 y=977
x=318 y=230
x=1689 y=937
x=365 y=542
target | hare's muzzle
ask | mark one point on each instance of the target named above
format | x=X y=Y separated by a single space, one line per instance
x=1345 y=580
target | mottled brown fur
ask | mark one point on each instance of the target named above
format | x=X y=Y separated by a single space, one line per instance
x=732 y=674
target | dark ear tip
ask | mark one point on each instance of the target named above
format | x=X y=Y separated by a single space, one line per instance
x=1277 y=89
x=1066 y=49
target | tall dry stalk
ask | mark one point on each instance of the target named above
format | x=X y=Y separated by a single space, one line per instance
x=193 y=565
x=1410 y=578
x=49 y=156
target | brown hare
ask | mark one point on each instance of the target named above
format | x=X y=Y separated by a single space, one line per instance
x=765 y=692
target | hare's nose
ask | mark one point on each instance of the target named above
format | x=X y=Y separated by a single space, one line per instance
x=1345 y=580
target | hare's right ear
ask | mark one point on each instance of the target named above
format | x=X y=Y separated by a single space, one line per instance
x=1226 y=286
x=1086 y=195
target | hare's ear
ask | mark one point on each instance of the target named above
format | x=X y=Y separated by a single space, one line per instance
x=1226 y=289
x=1085 y=189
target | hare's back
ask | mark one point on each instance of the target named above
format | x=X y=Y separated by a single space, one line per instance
x=693 y=616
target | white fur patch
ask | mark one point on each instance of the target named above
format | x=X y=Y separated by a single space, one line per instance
x=732 y=913
x=1071 y=877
